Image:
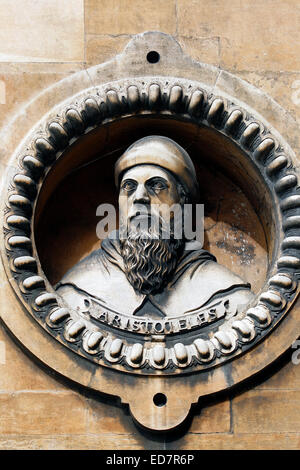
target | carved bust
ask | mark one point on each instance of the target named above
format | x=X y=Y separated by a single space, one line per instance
x=143 y=273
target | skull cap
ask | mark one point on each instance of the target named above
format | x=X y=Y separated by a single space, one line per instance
x=165 y=153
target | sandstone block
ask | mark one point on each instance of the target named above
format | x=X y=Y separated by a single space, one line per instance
x=102 y=48
x=19 y=372
x=212 y=419
x=205 y=50
x=52 y=30
x=266 y=411
x=254 y=35
x=28 y=413
x=129 y=16
x=251 y=441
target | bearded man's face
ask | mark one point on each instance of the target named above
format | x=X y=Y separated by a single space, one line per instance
x=149 y=248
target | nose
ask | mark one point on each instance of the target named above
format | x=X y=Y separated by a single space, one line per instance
x=141 y=194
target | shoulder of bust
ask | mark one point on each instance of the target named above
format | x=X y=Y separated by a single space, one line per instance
x=85 y=267
x=214 y=275
x=224 y=274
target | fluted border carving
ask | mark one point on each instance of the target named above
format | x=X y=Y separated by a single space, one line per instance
x=174 y=97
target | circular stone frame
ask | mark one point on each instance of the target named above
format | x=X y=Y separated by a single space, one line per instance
x=178 y=98
x=197 y=102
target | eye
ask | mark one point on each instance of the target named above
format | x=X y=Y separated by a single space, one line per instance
x=158 y=185
x=128 y=186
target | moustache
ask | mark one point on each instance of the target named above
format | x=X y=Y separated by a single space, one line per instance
x=151 y=221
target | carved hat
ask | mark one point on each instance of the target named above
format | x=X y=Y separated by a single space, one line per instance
x=165 y=153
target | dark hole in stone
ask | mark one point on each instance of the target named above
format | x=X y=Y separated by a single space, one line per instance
x=160 y=399
x=153 y=57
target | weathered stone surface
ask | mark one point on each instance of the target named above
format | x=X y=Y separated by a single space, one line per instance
x=249 y=441
x=12 y=361
x=282 y=86
x=129 y=16
x=233 y=232
x=206 y=50
x=212 y=419
x=74 y=442
x=214 y=441
x=52 y=30
x=245 y=30
x=31 y=114
x=108 y=418
x=287 y=378
x=263 y=103
x=99 y=48
x=266 y=411
x=31 y=413
x=19 y=87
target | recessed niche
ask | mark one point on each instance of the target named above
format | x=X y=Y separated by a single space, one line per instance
x=238 y=226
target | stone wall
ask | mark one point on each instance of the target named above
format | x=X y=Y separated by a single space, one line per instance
x=41 y=43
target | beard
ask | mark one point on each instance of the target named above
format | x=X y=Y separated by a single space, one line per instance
x=149 y=260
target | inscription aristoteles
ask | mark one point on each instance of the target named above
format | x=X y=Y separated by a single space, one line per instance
x=148 y=326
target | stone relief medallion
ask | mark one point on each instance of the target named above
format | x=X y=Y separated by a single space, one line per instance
x=150 y=316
